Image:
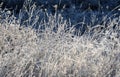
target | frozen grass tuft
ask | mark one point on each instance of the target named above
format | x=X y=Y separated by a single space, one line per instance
x=54 y=51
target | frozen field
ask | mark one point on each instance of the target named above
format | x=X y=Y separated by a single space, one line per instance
x=38 y=43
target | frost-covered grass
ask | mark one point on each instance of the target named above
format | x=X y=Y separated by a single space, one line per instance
x=53 y=49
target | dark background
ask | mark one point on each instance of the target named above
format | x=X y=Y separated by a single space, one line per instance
x=86 y=12
x=79 y=4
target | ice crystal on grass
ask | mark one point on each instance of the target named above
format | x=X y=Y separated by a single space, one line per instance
x=52 y=50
